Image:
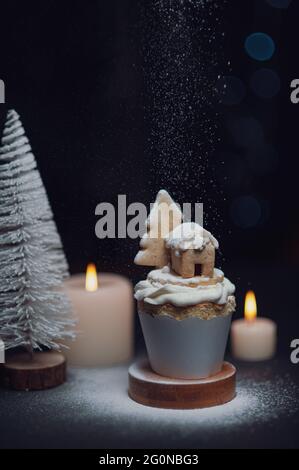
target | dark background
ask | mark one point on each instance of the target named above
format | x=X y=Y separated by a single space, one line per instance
x=78 y=74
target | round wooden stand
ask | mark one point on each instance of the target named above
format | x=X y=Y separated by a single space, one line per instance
x=148 y=388
x=46 y=369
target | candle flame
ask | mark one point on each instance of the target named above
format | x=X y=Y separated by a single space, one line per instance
x=91 y=282
x=250 y=309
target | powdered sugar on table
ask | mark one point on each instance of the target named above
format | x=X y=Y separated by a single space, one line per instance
x=93 y=410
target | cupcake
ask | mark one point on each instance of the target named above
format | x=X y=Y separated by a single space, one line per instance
x=185 y=306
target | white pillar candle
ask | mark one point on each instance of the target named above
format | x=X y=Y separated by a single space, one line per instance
x=253 y=339
x=103 y=307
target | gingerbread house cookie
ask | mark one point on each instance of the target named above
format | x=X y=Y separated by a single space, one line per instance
x=192 y=250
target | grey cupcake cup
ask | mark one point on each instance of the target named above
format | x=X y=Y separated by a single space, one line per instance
x=191 y=348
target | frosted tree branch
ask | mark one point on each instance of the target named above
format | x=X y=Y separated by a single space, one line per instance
x=34 y=310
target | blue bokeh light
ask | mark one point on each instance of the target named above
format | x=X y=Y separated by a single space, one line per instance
x=279 y=3
x=265 y=83
x=260 y=46
x=247 y=132
x=246 y=211
x=232 y=90
x=263 y=159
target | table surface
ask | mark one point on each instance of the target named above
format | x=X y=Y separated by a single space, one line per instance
x=93 y=410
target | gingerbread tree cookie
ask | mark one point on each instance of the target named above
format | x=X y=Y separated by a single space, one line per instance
x=164 y=217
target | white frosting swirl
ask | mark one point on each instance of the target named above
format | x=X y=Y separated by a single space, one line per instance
x=157 y=289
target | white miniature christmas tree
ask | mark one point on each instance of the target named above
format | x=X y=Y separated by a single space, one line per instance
x=34 y=311
x=165 y=215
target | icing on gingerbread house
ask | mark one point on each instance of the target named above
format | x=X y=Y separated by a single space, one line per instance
x=188 y=248
x=192 y=250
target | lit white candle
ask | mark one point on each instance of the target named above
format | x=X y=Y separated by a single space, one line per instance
x=252 y=338
x=104 y=310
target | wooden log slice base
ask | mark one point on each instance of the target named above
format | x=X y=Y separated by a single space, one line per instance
x=46 y=369
x=150 y=389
